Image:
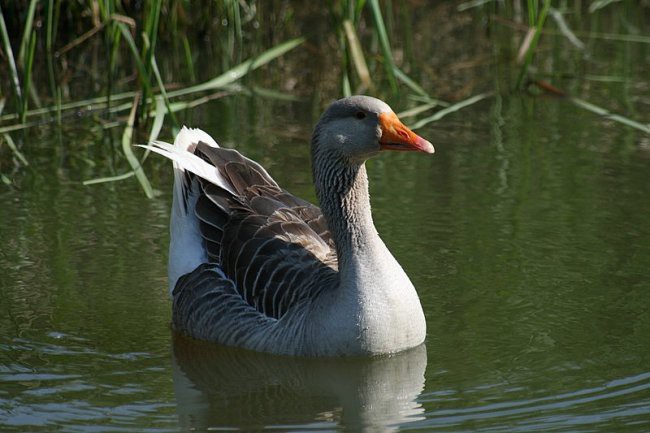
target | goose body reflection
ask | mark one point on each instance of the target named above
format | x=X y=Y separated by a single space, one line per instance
x=220 y=387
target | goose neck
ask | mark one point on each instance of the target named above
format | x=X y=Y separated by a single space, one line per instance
x=342 y=190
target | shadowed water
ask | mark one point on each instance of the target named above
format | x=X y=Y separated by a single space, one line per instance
x=526 y=236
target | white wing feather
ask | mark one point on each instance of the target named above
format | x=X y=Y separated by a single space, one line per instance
x=186 y=250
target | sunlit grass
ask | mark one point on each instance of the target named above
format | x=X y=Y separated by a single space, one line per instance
x=136 y=68
x=11 y=64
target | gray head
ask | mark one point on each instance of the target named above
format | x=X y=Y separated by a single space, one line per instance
x=359 y=127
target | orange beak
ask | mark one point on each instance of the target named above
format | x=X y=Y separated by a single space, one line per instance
x=396 y=136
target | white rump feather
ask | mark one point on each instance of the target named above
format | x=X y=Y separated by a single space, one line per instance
x=186 y=250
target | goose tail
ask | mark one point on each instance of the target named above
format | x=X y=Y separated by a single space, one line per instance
x=186 y=250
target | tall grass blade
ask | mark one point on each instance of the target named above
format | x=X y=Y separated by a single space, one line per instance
x=151 y=25
x=356 y=52
x=49 y=26
x=28 y=74
x=272 y=94
x=643 y=39
x=163 y=93
x=535 y=38
x=55 y=19
x=185 y=105
x=188 y=58
x=79 y=40
x=229 y=90
x=564 y=28
x=109 y=179
x=12 y=145
x=608 y=114
x=162 y=108
x=451 y=109
x=104 y=9
x=97 y=102
x=599 y=4
x=128 y=151
x=240 y=70
x=471 y=4
x=49 y=40
x=532 y=12
x=59 y=98
x=158 y=119
x=10 y=59
x=27 y=31
x=416 y=110
x=236 y=15
x=142 y=71
x=346 y=87
x=150 y=37
x=605 y=78
x=115 y=35
x=18 y=127
x=359 y=4
x=389 y=64
x=525 y=45
x=401 y=75
x=429 y=100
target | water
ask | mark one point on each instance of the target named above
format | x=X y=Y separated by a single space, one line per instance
x=526 y=235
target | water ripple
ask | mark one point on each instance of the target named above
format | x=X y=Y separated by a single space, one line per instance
x=62 y=381
x=630 y=404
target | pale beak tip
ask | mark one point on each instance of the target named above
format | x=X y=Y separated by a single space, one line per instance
x=425 y=146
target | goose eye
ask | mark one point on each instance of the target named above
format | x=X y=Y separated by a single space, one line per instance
x=360 y=115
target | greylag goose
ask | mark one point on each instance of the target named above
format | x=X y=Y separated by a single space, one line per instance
x=252 y=266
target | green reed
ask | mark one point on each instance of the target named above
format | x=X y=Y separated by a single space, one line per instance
x=536 y=20
x=15 y=79
x=363 y=30
x=27 y=31
x=29 y=62
x=380 y=28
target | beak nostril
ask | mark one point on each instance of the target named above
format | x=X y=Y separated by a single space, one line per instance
x=402 y=133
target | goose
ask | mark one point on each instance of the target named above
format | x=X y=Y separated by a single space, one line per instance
x=255 y=267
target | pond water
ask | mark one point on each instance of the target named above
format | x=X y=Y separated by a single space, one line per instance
x=526 y=236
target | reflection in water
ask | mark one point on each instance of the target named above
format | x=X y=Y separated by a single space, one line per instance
x=218 y=386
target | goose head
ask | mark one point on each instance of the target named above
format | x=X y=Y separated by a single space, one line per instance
x=356 y=128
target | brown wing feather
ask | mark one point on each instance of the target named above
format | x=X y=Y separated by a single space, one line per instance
x=275 y=247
